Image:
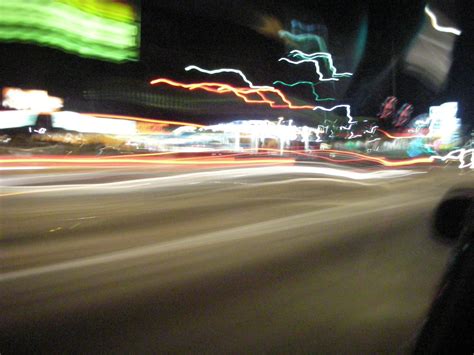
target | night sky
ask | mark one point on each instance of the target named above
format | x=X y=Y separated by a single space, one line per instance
x=364 y=37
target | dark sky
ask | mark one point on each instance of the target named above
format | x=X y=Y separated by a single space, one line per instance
x=216 y=33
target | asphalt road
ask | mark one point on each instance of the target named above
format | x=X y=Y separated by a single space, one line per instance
x=273 y=259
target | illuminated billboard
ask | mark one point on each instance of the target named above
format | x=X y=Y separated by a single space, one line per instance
x=36 y=100
x=102 y=29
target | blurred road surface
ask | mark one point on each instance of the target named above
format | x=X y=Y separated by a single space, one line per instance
x=276 y=259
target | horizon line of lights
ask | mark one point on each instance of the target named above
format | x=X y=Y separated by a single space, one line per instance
x=222 y=160
x=222 y=173
x=436 y=26
x=190 y=124
x=102 y=160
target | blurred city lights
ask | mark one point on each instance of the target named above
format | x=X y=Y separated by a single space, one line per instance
x=106 y=30
x=444 y=123
x=36 y=100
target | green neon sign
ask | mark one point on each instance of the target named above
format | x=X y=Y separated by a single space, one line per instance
x=107 y=33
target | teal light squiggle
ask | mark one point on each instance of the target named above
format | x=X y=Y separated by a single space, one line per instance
x=313 y=88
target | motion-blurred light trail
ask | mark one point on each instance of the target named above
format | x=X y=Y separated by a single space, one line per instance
x=309 y=83
x=108 y=32
x=460 y=155
x=243 y=93
x=436 y=26
x=400 y=136
x=316 y=65
x=134 y=161
x=351 y=121
x=220 y=237
x=248 y=157
x=252 y=85
x=142 y=119
x=207 y=176
x=371 y=130
x=312 y=56
x=228 y=70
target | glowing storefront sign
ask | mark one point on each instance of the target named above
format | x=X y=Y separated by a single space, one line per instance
x=36 y=100
x=444 y=123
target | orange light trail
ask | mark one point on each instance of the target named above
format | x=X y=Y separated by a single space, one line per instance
x=142 y=119
x=117 y=160
x=136 y=155
x=402 y=136
x=243 y=93
x=361 y=157
x=211 y=160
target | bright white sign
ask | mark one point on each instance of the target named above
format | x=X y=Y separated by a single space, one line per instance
x=444 y=123
x=36 y=100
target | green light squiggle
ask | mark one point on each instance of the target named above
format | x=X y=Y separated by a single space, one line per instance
x=313 y=89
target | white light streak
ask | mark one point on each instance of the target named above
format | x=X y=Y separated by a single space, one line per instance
x=324 y=55
x=210 y=176
x=372 y=130
x=352 y=135
x=351 y=121
x=316 y=65
x=374 y=140
x=228 y=70
x=436 y=26
x=458 y=155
